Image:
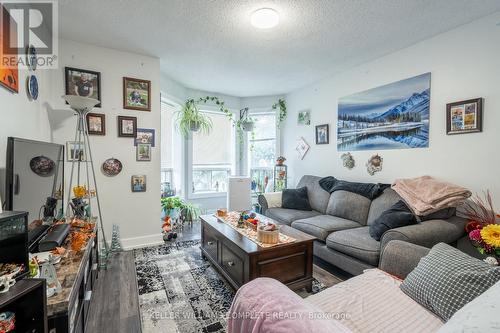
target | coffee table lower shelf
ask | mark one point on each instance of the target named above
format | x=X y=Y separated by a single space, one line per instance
x=240 y=260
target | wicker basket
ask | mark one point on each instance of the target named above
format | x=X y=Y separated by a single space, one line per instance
x=268 y=237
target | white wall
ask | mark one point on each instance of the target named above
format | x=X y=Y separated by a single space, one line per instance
x=137 y=214
x=464 y=62
x=21 y=118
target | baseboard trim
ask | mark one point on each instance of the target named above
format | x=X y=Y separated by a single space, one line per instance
x=142 y=241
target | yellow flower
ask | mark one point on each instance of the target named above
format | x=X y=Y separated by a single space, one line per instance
x=491 y=235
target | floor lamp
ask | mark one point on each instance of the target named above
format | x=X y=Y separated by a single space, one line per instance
x=81 y=158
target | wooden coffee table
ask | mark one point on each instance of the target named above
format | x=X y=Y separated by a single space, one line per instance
x=240 y=260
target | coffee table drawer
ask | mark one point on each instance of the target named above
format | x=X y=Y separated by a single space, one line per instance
x=232 y=264
x=210 y=244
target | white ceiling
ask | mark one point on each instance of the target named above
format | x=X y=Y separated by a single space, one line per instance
x=210 y=44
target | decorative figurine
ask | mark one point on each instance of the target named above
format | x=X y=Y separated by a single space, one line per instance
x=374 y=164
x=348 y=161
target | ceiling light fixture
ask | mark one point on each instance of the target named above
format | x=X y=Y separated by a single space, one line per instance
x=265 y=18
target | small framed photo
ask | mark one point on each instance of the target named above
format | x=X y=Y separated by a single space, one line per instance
x=138 y=183
x=464 y=116
x=96 y=123
x=145 y=135
x=75 y=151
x=136 y=94
x=82 y=82
x=322 y=134
x=304 y=118
x=143 y=152
x=127 y=127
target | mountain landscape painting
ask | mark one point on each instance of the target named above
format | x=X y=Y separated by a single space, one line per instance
x=393 y=116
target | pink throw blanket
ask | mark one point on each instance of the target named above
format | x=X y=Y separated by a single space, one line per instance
x=265 y=305
x=426 y=195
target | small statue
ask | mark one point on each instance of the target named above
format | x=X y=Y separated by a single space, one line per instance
x=241 y=221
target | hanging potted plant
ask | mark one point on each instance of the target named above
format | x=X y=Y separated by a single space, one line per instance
x=190 y=119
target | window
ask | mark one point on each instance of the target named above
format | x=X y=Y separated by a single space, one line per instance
x=212 y=156
x=262 y=154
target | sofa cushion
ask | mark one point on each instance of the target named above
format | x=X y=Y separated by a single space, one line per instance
x=357 y=243
x=295 y=199
x=349 y=205
x=381 y=204
x=287 y=216
x=447 y=279
x=322 y=225
x=318 y=198
x=397 y=216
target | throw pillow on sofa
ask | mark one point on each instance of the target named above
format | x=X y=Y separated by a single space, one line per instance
x=295 y=199
x=447 y=279
x=399 y=215
x=368 y=190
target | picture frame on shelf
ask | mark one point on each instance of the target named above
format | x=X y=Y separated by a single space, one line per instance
x=75 y=151
x=96 y=123
x=145 y=135
x=464 y=116
x=143 y=152
x=138 y=183
x=136 y=94
x=322 y=134
x=127 y=127
x=83 y=82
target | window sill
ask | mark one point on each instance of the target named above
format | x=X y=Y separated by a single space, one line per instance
x=206 y=195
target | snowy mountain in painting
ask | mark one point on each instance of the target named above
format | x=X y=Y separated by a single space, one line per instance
x=417 y=103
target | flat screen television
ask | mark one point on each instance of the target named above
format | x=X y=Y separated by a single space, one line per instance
x=34 y=176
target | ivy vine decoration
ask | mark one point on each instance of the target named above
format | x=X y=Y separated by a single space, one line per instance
x=282 y=114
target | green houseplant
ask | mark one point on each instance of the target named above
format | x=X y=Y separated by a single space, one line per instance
x=171 y=205
x=190 y=212
x=190 y=119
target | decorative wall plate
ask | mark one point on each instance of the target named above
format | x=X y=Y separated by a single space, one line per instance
x=348 y=161
x=374 y=164
x=31 y=57
x=32 y=87
x=111 y=167
x=42 y=166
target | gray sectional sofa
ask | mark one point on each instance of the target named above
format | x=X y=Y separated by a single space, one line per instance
x=340 y=222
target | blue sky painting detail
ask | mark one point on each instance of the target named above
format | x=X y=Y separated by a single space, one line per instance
x=393 y=116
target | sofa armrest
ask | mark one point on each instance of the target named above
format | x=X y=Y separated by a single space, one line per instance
x=427 y=233
x=400 y=258
x=261 y=199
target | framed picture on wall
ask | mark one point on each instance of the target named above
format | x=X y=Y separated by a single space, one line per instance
x=96 y=123
x=9 y=75
x=75 y=151
x=138 y=183
x=145 y=135
x=322 y=134
x=464 y=116
x=136 y=94
x=127 y=127
x=82 y=82
x=143 y=152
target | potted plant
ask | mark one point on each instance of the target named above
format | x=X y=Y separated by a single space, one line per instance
x=280 y=160
x=190 y=212
x=190 y=119
x=171 y=205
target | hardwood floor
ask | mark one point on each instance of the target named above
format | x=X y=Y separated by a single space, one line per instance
x=115 y=304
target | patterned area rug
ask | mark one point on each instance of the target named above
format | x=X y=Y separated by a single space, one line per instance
x=179 y=291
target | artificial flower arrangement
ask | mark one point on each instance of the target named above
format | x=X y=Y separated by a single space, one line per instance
x=483 y=228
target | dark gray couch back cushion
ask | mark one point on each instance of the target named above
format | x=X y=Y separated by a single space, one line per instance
x=349 y=206
x=379 y=205
x=318 y=198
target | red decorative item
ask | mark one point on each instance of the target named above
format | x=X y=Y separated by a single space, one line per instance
x=7 y=322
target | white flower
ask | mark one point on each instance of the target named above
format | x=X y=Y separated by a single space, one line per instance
x=491 y=261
